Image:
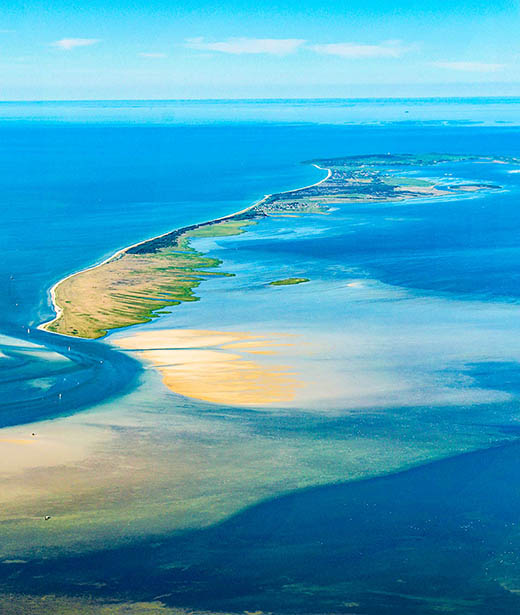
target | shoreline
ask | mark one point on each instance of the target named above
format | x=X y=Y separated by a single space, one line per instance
x=133 y=284
x=52 y=291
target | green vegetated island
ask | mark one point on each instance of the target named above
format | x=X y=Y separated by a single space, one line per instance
x=136 y=283
x=289 y=281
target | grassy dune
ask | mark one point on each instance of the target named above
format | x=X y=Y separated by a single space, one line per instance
x=130 y=288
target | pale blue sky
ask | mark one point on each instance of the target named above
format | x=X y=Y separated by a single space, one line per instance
x=241 y=49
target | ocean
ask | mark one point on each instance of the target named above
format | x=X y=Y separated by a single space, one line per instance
x=405 y=345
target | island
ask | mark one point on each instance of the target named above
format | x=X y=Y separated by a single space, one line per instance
x=289 y=281
x=135 y=284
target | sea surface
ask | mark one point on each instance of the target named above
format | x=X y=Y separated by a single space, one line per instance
x=406 y=340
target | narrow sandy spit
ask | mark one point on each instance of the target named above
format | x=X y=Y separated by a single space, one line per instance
x=58 y=310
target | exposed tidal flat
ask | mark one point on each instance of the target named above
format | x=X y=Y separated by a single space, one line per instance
x=160 y=502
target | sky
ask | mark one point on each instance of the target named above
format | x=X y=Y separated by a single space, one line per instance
x=167 y=49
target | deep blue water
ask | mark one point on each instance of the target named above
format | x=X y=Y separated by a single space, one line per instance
x=73 y=193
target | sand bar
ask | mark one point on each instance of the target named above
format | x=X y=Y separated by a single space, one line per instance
x=214 y=366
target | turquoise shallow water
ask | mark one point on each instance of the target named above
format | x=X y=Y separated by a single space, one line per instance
x=411 y=318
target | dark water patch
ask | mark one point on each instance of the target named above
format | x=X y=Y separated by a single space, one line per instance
x=500 y=375
x=38 y=386
x=438 y=538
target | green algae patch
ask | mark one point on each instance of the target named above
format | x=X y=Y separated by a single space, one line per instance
x=289 y=281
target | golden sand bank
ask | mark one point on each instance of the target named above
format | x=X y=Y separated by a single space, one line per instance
x=216 y=366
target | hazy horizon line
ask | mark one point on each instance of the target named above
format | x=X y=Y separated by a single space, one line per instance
x=264 y=99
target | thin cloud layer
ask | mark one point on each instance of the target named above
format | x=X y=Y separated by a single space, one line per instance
x=274 y=46
x=387 y=49
x=475 y=67
x=71 y=43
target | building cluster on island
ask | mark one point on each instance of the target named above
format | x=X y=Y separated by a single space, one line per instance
x=286 y=206
x=345 y=183
x=363 y=179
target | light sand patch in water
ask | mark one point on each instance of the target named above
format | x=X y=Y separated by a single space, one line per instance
x=200 y=364
x=53 y=443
